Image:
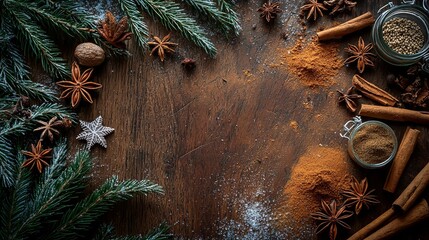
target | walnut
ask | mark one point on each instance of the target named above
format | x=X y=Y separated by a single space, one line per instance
x=89 y=54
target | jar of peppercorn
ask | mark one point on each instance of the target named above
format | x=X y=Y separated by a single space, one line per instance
x=401 y=33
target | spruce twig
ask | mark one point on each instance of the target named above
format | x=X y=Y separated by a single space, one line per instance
x=173 y=17
x=98 y=203
x=136 y=22
x=227 y=7
x=209 y=8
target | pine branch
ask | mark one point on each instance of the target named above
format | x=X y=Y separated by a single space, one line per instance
x=52 y=18
x=16 y=205
x=87 y=211
x=174 y=18
x=159 y=233
x=43 y=112
x=35 y=40
x=14 y=72
x=209 y=8
x=58 y=162
x=7 y=162
x=227 y=7
x=105 y=232
x=52 y=198
x=136 y=21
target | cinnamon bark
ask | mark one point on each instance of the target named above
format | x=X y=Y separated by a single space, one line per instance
x=401 y=159
x=394 y=114
x=374 y=225
x=413 y=191
x=353 y=25
x=373 y=92
x=416 y=214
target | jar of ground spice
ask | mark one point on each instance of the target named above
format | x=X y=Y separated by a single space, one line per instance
x=401 y=33
x=371 y=144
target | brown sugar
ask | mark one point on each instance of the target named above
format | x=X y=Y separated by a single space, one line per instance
x=321 y=173
x=315 y=64
x=373 y=143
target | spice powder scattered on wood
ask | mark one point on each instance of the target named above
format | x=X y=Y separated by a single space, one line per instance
x=373 y=143
x=321 y=173
x=315 y=64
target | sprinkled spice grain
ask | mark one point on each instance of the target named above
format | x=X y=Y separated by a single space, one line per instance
x=404 y=36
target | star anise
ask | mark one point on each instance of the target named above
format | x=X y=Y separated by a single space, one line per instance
x=331 y=216
x=339 y=5
x=348 y=99
x=269 y=10
x=162 y=46
x=79 y=86
x=37 y=157
x=48 y=128
x=114 y=32
x=358 y=195
x=314 y=8
x=361 y=54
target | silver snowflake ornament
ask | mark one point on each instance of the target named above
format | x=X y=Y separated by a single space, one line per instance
x=94 y=132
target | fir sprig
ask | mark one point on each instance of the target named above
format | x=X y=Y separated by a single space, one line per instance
x=7 y=162
x=98 y=203
x=43 y=112
x=173 y=17
x=227 y=7
x=136 y=22
x=224 y=19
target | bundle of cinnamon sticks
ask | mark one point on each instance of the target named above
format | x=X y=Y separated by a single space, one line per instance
x=408 y=209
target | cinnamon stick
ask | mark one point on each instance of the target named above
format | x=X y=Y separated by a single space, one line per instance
x=348 y=27
x=373 y=92
x=413 y=191
x=401 y=159
x=394 y=114
x=374 y=225
x=416 y=214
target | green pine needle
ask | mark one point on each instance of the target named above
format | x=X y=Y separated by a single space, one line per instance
x=227 y=7
x=14 y=208
x=7 y=162
x=173 y=17
x=136 y=22
x=209 y=8
x=86 y=212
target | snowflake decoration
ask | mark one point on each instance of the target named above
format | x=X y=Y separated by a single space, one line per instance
x=94 y=132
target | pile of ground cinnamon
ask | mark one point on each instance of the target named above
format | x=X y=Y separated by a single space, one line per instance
x=315 y=64
x=321 y=173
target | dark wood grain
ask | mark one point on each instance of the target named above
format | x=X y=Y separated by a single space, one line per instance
x=219 y=139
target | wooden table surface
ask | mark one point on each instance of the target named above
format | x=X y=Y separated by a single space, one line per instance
x=219 y=139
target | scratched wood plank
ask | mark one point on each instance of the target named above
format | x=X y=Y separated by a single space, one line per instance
x=219 y=139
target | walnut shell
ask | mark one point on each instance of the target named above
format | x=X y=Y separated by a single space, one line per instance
x=89 y=54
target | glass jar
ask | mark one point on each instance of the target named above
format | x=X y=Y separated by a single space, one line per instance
x=408 y=10
x=349 y=131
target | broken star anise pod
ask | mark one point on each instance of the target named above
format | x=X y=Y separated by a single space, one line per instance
x=361 y=54
x=162 y=46
x=339 y=5
x=48 y=128
x=331 y=217
x=358 y=195
x=37 y=156
x=314 y=9
x=114 y=32
x=188 y=63
x=79 y=86
x=348 y=97
x=269 y=10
